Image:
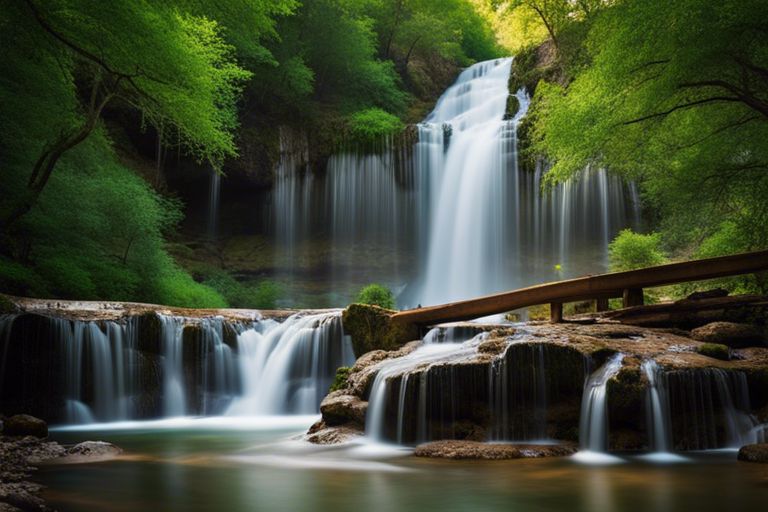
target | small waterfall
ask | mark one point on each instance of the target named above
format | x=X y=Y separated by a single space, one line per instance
x=213 y=204
x=174 y=399
x=657 y=408
x=593 y=427
x=518 y=394
x=709 y=409
x=414 y=367
x=287 y=368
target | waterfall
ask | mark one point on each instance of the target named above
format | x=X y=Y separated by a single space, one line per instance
x=593 y=426
x=414 y=367
x=657 y=408
x=174 y=399
x=287 y=368
x=709 y=409
x=448 y=217
x=162 y=365
x=213 y=204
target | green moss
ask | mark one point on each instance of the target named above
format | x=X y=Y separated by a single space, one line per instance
x=340 y=380
x=513 y=106
x=372 y=328
x=715 y=350
x=7 y=306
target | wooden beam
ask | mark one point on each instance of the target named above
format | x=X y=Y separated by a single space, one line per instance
x=588 y=288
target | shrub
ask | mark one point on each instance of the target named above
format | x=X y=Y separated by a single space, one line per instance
x=340 y=380
x=376 y=295
x=368 y=127
x=252 y=295
x=630 y=251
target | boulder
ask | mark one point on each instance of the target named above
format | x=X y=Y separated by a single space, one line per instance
x=90 y=451
x=25 y=425
x=491 y=451
x=729 y=333
x=339 y=408
x=372 y=328
x=754 y=453
x=320 y=433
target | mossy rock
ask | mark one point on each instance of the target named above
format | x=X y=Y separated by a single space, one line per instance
x=7 y=306
x=513 y=107
x=340 y=380
x=715 y=350
x=372 y=328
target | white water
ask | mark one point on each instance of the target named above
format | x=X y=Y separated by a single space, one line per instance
x=449 y=217
x=658 y=414
x=420 y=359
x=174 y=398
x=287 y=368
x=593 y=426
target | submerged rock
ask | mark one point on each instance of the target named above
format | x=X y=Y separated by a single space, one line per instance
x=754 y=453
x=732 y=334
x=321 y=433
x=491 y=451
x=90 y=451
x=25 y=425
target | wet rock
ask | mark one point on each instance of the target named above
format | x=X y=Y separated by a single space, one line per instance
x=339 y=408
x=372 y=328
x=491 y=451
x=493 y=346
x=754 y=453
x=320 y=433
x=25 y=425
x=715 y=351
x=729 y=333
x=90 y=451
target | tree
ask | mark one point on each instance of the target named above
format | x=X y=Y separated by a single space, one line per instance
x=173 y=67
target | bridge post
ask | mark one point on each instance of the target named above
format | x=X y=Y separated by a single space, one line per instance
x=601 y=305
x=556 y=312
x=632 y=297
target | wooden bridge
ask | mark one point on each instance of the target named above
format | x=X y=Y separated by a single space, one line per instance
x=627 y=285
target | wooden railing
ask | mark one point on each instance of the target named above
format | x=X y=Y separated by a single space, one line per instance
x=628 y=285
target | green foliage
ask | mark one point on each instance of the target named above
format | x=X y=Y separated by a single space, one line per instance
x=340 y=379
x=376 y=295
x=671 y=95
x=371 y=125
x=715 y=350
x=261 y=295
x=630 y=251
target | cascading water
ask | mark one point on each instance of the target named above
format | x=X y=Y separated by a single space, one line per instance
x=151 y=366
x=593 y=426
x=451 y=216
x=657 y=408
x=287 y=368
x=709 y=409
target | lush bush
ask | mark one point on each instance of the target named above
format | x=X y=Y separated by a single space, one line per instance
x=630 y=251
x=376 y=295
x=340 y=380
x=372 y=125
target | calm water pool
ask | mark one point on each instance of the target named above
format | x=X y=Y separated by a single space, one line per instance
x=196 y=465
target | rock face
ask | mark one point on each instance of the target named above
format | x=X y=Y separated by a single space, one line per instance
x=731 y=334
x=491 y=451
x=527 y=383
x=754 y=453
x=25 y=425
x=371 y=328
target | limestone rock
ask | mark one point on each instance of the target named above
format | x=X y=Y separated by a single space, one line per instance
x=729 y=333
x=491 y=451
x=754 y=453
x=339 y=408
x=322 y=434
x=25 y=425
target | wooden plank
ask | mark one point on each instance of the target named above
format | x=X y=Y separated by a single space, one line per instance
x=588 y=288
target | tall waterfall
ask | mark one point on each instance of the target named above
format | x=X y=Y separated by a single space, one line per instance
x=449 y=217
x=162 y=365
